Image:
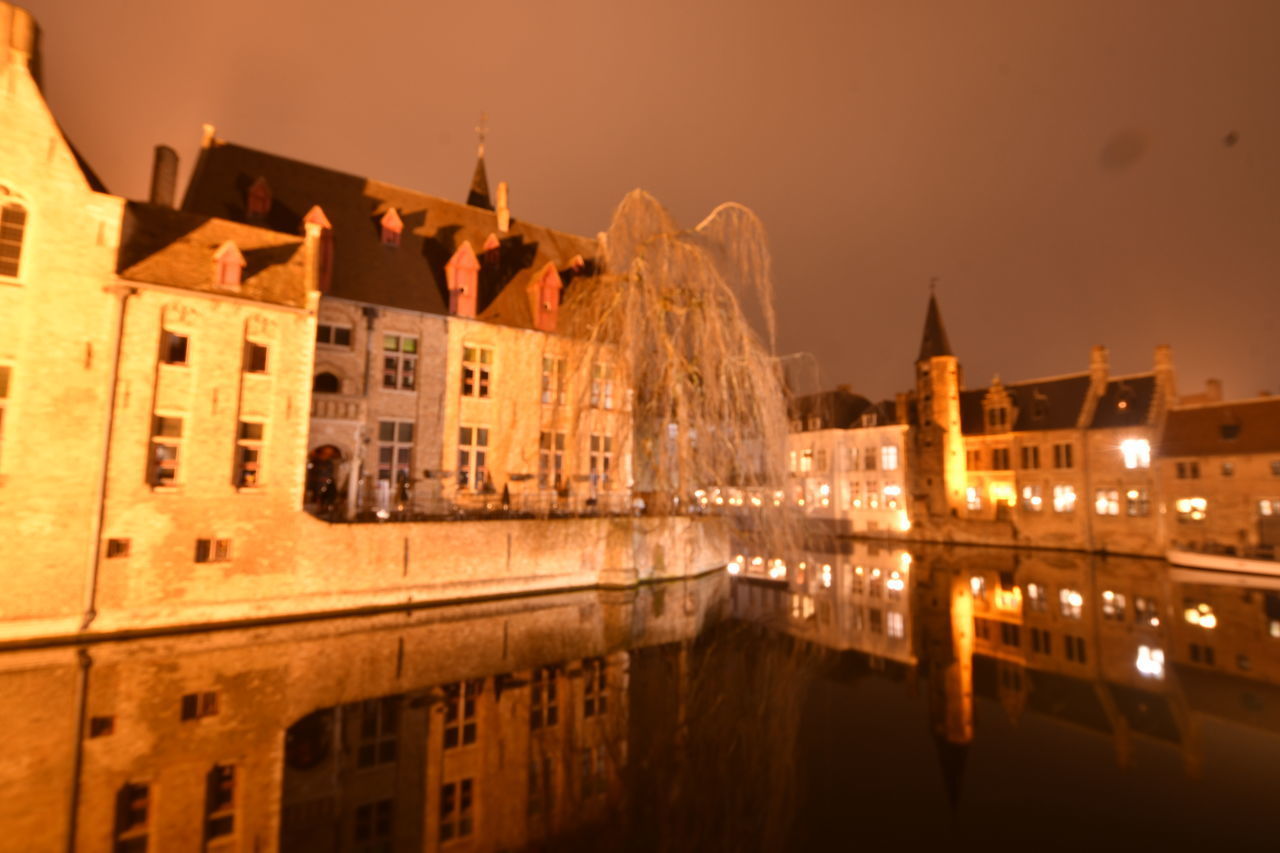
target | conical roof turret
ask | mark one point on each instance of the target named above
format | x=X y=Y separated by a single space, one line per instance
x=934 y=342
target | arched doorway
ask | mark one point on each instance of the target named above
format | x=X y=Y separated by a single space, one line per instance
x=322 y=476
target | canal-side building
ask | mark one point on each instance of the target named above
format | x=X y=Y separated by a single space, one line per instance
x=440 y=376
x=1219 y=469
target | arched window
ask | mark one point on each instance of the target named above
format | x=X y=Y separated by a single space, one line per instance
x=326 y=383
x=13 y=221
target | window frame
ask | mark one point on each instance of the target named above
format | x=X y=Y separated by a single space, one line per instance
x=8 y=205
x=400 y=362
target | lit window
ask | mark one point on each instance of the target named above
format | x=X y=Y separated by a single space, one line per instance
x=1113 y=605
x=1269 y=506
x=601 y=460
x=973 y=498
x=1200 y=614
x=551 y=460
x=473 y=451
x=399 y=359
x=978 y=584
x=895 y=624
x=248 y=454
x=1072 y=603
x=173 y=348
x=552 y=380
x=1190 y=509
x=395 y=451
x=166 y=444
x=806 y=461
x=255 y=357
x=1032 y=499
x=13 y=221
x=1150 y=662
x=1064 y=498
x=338 y=336
x=1107 y=502
x=455 y=809
x=602 y=385
x=1146 y=611
x=889 y=458
x=1138 y=502
x=1136 y=453
x=477 y=362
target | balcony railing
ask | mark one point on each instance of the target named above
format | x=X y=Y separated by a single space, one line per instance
x=336 y=407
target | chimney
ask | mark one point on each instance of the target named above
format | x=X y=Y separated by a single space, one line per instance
x=207 y=132
x=1164 y=371
x=19 y=34
x=1099 y=367
x=504 y=211
x=164 y=176
x=1213 y=390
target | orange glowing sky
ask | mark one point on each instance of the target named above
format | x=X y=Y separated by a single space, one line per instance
x=1074 y=172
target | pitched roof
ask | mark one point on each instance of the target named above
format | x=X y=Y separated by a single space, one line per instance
x=1041 y=404
x=411 y=275
x=833 y=409
x=934 y=341
x=478 y=195
x=1126 y=402
x=1240 y=427
x=160 y=245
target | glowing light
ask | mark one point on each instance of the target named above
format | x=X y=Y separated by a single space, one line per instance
x=892 y=491
x=383 y=514
x=858 y=571
x=905 y=559
x=1150 y=662
x=977 y=584
x=1136 y=452
x=1132 y=494
x=904 y=523
x=1075 y=599
x=857 y=503
x=1192 y=508
x=734 y=567
x=875 y=573
x=755 y=500
x=826 y=575
x=824 y=489
x=895 y=582
x=777 y=569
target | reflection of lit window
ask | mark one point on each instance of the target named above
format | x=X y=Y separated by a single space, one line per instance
x=1150 y=662
x=1064 y=498
x=1072 y=603
x=1113 y=605
x=1190 y=509
x=1136 y=453
x=1200 y=614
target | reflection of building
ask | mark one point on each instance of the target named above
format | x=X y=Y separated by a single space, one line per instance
x=847 y=461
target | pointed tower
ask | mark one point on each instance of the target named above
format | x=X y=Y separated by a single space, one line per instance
x=939 y=477
x=479 y=194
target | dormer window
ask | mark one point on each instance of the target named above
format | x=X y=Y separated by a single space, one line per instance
x=258 y=200
x=315 y=216
x=462 y=274
x=545 y=293
x=228 y=264
x=391 y=227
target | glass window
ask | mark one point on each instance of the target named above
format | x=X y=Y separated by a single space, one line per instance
x=13 y=222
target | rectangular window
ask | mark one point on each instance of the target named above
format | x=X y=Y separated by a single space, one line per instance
x=806 y=461
x=338 y=336
x=1136 y=453
x=1075 y=648
x=869 y=459
x=593 y=779
x=1031 y=457
x=1010 y=634
x=553 y=380
x=1064 y=498
x=1275 y=468
x=173 y=347
x=1037 y=597
x=895 y=624
x=220 y=803
x=540 y=786
x=395 y=451
x=1269 y=506
x=877 y=620
x=1072 y=603
x=133 y=804
x=399 y=361
x=166 y=442
x=851 y=458
x=973 y=460
x=889 y=458
x=594 y=699
x=972 y=499
x=822 y=460
x=1032 y=499
x=550 y=460
x=1000 y=459
x=4 y=398
x=379 y=731
x=1041 y=641
x=1113 y=605
x=373 y=826
x=1228 y=469
x=255 y=358
x=473 y=452
x=213 y=550
x=13 y=221
x=1188 y=470
x=456 y=809
x=1107 y=502
x=117 y=548
x=1062 y=455
x=1191 y=509
x=602 y=385
x=1146 y=611
x=601 y=461
x=477 y=363
x=248 y=455
x=197 y=706
x=1137 y=502
x=544 y=702
x=460 y=712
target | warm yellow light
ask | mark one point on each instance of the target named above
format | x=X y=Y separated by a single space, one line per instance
x=1075 y=599
x=904 y=523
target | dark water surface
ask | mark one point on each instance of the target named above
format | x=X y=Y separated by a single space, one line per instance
x=959 y=698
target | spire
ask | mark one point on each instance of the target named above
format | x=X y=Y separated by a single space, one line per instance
x=479 y=194
x=934 y=342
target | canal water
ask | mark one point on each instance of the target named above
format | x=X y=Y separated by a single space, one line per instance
x=861 y=695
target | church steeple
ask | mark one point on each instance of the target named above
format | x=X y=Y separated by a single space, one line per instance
x=934 y=342
x=479 y=194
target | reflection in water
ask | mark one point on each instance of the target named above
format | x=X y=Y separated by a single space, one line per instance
x=938 y=693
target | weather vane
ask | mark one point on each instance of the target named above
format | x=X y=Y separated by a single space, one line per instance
x=481 y=129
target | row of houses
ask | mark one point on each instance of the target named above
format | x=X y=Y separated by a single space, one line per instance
x=1089 y=460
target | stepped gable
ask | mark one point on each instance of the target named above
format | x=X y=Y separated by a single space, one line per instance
x=411 y=275
x=160 y=245
x=1042 y=404
x=1239 y=427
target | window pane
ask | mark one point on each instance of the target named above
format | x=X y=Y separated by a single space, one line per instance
x=409 y=345
x=391 y=343
x=342 y=337
x=386 y=430
x=405 y=431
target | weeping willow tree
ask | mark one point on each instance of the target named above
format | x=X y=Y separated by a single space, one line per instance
x=707 y=405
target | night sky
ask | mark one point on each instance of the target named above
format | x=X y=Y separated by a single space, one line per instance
x=1074 y=173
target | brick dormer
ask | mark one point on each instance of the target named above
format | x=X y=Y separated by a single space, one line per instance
x=998 y=411
x=228 y=265
x=462 y=274
x=258 y=200
x=392 y=226
x=324 y=275
x=544 y=298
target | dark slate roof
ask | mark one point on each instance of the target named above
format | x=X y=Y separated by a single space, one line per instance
x=934 y=341
x=835 y=409
x=478 y=195
x=410 y=276
x=1126 y=402
x=1042 y=404
x=1245 y=426
x=160 y=245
